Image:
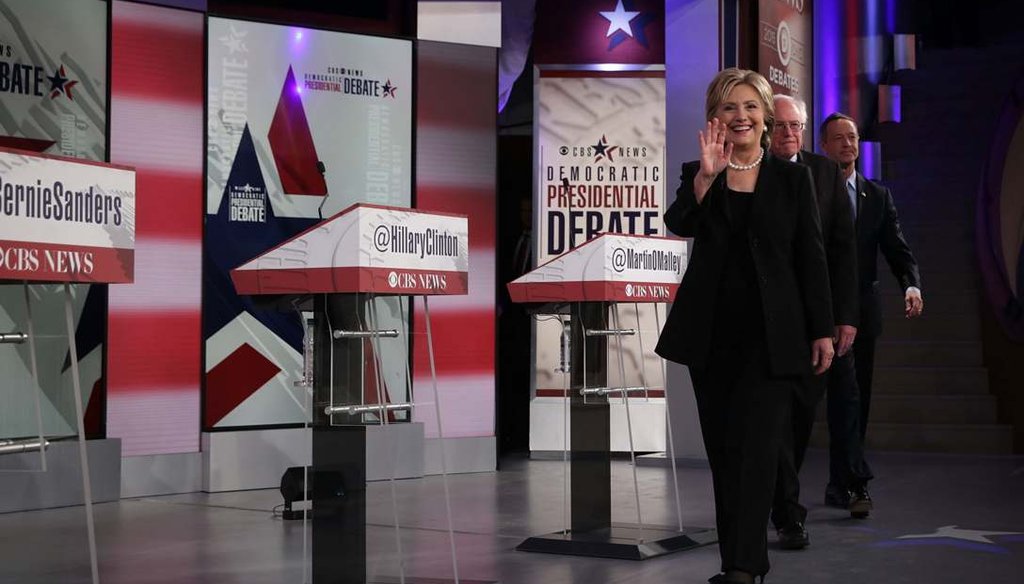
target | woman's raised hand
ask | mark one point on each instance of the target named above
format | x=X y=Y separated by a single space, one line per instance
x=714 y=157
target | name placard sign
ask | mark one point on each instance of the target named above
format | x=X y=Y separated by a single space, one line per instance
x=65 y=219
x=608 y=268
x=366 y=248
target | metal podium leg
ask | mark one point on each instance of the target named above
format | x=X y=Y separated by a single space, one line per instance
x=668 y=423
x=590 y=425
x=339 y=505
x=80 y=421
x=34 y=364
x=440 y=438
x=374 y=325
x=338 y=476
x=629 y=417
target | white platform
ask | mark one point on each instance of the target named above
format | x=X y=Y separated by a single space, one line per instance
x=256 y=459
x=547 y=432
x=161 y=474
x=23 y=488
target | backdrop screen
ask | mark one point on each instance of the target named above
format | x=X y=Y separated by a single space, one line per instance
x=301 y=123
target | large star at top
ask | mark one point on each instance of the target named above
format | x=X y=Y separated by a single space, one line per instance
x=619 y=19
x=59 y=83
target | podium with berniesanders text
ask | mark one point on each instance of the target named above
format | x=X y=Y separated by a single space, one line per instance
x=339 y=267
x=63 y=221
x=587 y=283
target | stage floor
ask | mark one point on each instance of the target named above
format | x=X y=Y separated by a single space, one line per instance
x=234 y=538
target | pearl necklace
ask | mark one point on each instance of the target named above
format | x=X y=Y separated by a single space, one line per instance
x=753 y=164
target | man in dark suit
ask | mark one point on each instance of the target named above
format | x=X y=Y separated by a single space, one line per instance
x=878 y=229
x=788 y=515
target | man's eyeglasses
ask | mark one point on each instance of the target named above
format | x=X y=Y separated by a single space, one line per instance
x=793 y=126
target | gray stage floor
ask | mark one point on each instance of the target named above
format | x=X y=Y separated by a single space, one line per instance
x=233 y=537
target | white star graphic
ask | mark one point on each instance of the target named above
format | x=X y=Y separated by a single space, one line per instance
x=619 y=19
x=234 y=41
x=954 y=532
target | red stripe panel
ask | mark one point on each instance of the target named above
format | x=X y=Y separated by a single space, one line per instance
x=477 y=204
x=463 y=342
x=440 y=105
x=170 y=205
x=155 y=62
x=154 y=351
x=234 y=379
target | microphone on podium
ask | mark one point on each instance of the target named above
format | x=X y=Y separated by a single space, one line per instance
x=323 y=170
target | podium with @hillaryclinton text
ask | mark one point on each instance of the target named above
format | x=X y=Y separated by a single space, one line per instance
x=355 y=272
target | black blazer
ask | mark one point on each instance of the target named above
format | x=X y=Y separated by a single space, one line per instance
x=789 y=256
x=878 y=229
x=838 y=233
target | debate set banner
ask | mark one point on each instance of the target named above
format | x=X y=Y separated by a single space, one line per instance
x=785 y=49
x=301 y=124
x=53 y=99
x=601 y=168
x=599 y=146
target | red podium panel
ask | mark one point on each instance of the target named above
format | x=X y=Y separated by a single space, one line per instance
x=366 y=248
x=609 y=268
x=65 y=220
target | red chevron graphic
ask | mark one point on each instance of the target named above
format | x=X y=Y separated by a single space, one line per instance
x=292 y=144
x=234 y=379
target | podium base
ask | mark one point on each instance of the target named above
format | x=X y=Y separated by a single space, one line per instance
x=622 y=541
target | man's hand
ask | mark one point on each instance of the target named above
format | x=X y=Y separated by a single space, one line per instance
x=821 y=355
x=914 y=303
x=843 y=339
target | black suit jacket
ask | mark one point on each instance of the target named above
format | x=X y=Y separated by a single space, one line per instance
x=878 y=229
x=789 y=256
x=838 y=233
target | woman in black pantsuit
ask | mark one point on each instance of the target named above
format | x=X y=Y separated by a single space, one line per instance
x=753 y=312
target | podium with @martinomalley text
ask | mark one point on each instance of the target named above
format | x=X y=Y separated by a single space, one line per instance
x=346 y=269
x=586 y=285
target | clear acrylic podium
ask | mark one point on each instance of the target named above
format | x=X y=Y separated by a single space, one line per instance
x=339 y=269
x=587 y=284
x=87 y=236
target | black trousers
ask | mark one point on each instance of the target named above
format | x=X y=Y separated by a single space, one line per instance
x=864 y=354
x=849 y=397
x=744 y=413
x=786 y=507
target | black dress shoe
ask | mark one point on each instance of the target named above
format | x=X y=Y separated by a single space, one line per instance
x=860 y=503
x=794 y=537
x=837 y=497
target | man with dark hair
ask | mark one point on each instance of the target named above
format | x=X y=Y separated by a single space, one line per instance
x=788 y=515
x=878 y=229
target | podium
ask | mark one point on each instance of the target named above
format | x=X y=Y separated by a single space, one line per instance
x=339 y=268
x=64 y=221
x=587 y=283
